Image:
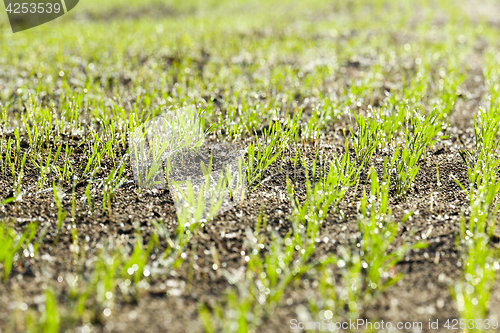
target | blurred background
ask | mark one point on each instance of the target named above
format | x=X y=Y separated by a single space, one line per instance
x=271 y=54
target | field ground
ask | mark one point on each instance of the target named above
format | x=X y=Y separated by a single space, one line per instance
x=370 y=130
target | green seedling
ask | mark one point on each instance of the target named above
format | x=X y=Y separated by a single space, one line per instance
x=267 y=149
x=378 y=231
x=18 y=194
x=50 y=317
x=134 y=269
x=482 y=163
x=406 y=167
x=325 y=194
x=148 y=157
x=366 y=268
x=66 y=173
x=44 y=171
x=259 y=291
x=366 y=140
x=61 y=215
x=479 y=258
x=110 y=185
x=422 y=131
x=345 y=169
x=90 y=200
x=194 y=208
x=117 y=269
x=10 y=244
